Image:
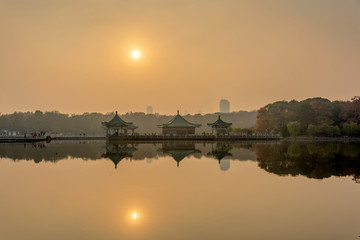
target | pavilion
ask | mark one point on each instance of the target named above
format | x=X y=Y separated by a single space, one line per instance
x=220 y=126
x=118 y=127
x=178 y=126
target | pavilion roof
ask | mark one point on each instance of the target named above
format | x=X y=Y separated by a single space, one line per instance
x=115 y=158
x=219 y=123
x=219 y=154
x=179 y=155
x=179 y=121
x=118 y=122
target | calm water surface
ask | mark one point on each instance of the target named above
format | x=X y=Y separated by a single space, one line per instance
x=179 y=190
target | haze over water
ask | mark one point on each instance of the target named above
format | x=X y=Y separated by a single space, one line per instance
x=72 y=190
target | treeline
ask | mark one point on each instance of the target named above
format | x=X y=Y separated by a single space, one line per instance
x=311 y=117
x=90 y=123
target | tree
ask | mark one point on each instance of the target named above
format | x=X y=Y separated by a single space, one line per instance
x=350 y=110
x=293 y=128
x=274 y=117
x=333 y=131
x=346 y=129
x=312 y=130
x=351 y=129
x=354 y=129
x=243 y=131
x=284 y=131
x=263 y=121
x=322 y=114
x=305 y=115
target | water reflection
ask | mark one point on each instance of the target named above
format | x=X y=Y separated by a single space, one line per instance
x=311 y=159
x=179 y=150
x=219 y=152
x=118 y=151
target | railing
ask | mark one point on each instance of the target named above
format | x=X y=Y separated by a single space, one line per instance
x=207 y=137
x=21 y=138
x=203 y=137
x=75 y=136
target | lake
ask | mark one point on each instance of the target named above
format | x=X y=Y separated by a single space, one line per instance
x=180 y=190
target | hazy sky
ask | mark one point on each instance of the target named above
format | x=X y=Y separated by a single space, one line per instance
x=74 y=56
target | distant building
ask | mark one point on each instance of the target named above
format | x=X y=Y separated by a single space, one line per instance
x=178 y=126
x=225 y=164
x=149 y=110
x=224 y=106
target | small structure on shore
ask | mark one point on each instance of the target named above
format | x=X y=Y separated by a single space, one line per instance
x=118 y=127
x=178 y=126
x=220 y=126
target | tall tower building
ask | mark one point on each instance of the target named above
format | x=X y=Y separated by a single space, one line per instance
x=224 y=106
x=149 y=110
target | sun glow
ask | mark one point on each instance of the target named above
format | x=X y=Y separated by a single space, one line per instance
x=135 y=54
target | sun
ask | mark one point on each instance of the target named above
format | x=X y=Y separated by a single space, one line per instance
x=134 y=215
x=135 y=54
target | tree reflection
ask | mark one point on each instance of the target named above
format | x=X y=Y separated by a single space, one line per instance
x=313 y=160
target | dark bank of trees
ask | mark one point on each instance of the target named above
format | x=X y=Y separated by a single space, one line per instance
x=90 y=123
x=53 y=122
x=311 y=117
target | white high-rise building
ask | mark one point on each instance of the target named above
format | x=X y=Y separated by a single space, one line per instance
x=224 y=106
x=149 y=110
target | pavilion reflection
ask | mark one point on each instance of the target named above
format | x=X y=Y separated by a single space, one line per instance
x=219 y=152
x=179 y=150
x=118 y=151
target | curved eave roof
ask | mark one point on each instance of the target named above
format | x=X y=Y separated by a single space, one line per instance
x=219 y=154
x=179 y=155
x=219 y=123
x=179 y=121
x=132 y=127
x=118 y=122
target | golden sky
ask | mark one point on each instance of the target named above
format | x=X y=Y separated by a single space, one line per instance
x=75 y=56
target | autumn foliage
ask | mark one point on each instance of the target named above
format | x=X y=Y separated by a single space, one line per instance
x=316 y=117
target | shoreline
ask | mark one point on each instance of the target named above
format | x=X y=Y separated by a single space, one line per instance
x=159 y=138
